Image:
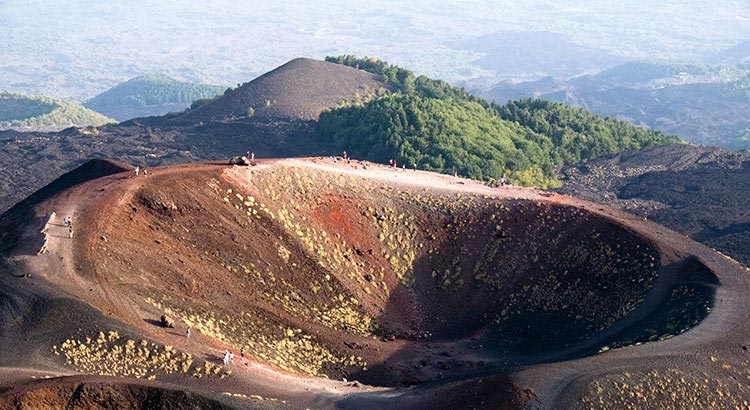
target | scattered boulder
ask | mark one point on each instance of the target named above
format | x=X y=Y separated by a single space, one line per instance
x=166 y=321
x=239 y=161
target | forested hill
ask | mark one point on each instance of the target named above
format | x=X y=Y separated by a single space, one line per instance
x=29 y=112
x=150 y=95
x=577 y=134
x=445 y=129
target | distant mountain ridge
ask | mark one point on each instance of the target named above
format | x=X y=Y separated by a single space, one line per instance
x=150 y=95
x=703 y=104
x=553 y=54
x=739 y=54
x=30 y=112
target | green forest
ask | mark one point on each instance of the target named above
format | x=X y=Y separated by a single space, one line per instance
x=18 y=110
x=442 y=128
x=131 y=98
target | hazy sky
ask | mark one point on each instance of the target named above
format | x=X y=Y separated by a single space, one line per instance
x=76 y=48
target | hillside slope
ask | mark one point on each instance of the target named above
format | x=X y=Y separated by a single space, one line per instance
x=150 y=95
x=300 y=89
x=43 y=113
x=321 y=270
x=430 y=124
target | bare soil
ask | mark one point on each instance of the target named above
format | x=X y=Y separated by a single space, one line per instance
x=300 y=89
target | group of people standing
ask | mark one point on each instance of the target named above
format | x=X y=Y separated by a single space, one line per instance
x=394 y=164
x=228 y=356
x=68 y=221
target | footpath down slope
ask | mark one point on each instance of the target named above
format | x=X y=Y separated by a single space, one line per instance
x=320 y=271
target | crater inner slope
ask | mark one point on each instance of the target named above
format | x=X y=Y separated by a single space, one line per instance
x=336 y=271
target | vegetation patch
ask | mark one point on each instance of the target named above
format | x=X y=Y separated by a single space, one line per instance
x=19 y=111
x=152 y=95
x=112 y=355
x=286 y=348
x=669 y=388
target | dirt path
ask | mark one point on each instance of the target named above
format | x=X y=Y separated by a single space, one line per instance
x=410 y=177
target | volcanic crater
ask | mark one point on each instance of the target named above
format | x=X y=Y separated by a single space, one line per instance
x=351 y=270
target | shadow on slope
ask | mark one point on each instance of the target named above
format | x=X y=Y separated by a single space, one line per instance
x=528 y=282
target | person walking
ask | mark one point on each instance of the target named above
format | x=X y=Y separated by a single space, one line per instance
x=187 y=332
